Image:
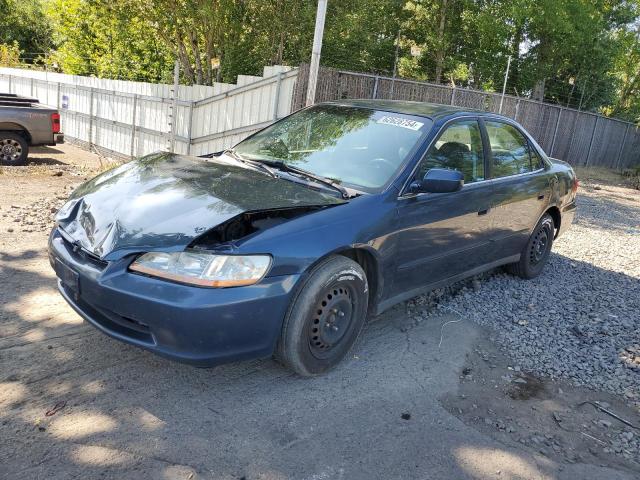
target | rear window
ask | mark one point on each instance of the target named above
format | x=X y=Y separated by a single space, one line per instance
x=509 y=150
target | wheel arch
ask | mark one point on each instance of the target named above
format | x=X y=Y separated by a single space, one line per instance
x=363 y=256
x=554 y=211
x=370 y=264
x=17 y=128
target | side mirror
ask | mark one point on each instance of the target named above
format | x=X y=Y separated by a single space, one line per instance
x=439 y=180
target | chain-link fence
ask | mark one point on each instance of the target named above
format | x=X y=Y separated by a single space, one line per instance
x=580 y=138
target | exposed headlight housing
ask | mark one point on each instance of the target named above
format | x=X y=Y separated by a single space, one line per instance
x=204 y=269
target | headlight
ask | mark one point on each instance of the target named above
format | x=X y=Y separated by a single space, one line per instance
x=203 y=268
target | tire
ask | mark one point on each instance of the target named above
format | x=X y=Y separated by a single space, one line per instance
x=13 y=149
x=536 y=252
x=325 y=317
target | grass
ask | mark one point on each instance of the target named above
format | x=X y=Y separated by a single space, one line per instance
x=628 y=178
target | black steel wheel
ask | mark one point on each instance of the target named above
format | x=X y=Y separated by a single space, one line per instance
x=333 y=317
x=325 y=317
x=538 y=246
x=13 y=149
x=536 y=252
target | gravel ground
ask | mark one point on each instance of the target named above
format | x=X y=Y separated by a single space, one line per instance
x=580 y=320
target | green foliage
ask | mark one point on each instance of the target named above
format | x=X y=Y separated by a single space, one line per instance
x=23 y=23
x=626 y=71
x=9 y=55
x=98 y=37
x=579 y=53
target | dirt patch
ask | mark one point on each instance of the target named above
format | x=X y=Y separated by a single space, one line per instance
x=524 y=387
x=546 y=417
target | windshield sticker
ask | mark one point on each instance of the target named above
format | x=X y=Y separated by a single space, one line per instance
x=401 y=122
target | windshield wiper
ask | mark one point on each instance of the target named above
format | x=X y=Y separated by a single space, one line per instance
x=265 y=168
x=280 y=165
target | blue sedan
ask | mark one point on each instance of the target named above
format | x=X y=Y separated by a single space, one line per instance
x=286 y=243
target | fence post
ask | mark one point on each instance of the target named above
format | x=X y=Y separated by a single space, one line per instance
x=375 y=87
x=593 y=134
x=555 y=133
x=58 y=97
x=189 y=126
x=32 y=86
x=624 y=139
x=90 y=117
x=515 y=117
x=133 y=124
x=10 y=77
x=276 y=100
x=453 y=95
x=174 y=107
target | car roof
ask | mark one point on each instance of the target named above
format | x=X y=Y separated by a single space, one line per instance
x=423 y=109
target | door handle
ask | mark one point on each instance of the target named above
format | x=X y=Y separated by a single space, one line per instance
x=484 y=212
x=541 y=196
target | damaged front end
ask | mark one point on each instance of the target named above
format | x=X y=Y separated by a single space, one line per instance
x=171 y=202
x=247 y=224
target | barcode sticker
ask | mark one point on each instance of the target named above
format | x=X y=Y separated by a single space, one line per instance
x=401 y=122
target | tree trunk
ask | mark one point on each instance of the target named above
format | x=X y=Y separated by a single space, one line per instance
x=280 y=53
x=441 y=43
x=196 y=57
x=183 y=57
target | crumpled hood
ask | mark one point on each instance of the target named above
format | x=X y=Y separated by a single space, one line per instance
x=166 y=200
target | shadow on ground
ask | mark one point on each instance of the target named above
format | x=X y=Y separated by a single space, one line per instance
x=45 y=156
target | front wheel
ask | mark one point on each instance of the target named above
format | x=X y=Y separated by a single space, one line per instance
x=536 y=252
x=325 y=317
x=13 y=149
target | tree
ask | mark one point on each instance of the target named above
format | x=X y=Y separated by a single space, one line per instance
x=9 y=55
x=102 y=38
x=23 y=23
x=626 y=70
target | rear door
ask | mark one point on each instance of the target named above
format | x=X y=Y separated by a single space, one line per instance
x=441 y=235
x=520 y=185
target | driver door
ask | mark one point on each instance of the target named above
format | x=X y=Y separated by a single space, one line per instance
x=442 y=235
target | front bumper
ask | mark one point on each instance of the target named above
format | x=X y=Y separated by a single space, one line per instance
x=201 y=326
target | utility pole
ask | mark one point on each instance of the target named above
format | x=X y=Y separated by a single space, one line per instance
x=395 y=64
x=584 y=87
x=315 y=52
x=504 y=85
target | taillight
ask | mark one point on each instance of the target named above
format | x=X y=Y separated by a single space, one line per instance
x=574 y=187
x=55 y=122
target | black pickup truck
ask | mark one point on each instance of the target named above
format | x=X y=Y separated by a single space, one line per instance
x=25 y=123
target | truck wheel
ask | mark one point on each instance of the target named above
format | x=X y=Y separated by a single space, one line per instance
x=536 y=252
x=325 y=317
x=13 y=149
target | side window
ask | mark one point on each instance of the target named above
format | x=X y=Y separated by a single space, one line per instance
x=509 y=150
x=536 y=159
x=459 y=147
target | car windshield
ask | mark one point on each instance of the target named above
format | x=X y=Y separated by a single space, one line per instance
x=357 y=147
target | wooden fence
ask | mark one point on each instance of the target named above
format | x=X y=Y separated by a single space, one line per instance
x=580 y=138
x=130 y=119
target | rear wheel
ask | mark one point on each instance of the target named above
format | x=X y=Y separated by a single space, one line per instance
x=13 y=149
x=536 y=252
x=325 y=318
